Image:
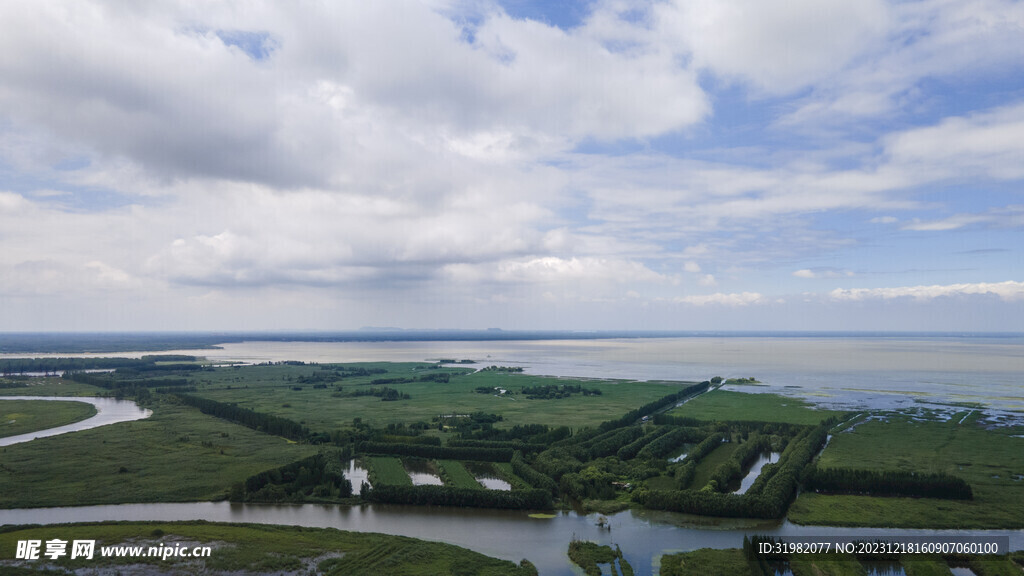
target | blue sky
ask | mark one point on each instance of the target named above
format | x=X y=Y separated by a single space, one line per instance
x=671 y=164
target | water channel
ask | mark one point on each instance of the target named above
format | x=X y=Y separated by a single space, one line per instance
x=644 y=536
x=108 y=411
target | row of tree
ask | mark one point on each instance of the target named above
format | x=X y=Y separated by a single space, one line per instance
x=516 y=444
x=732 y=469
x=630 y=451
x=633 y=416
x=886 y=483
x=267 y=423
x=442 y=452
x=386 y=394
x=462 y=497
x=21 y=365
x=534 y=478
x=767 y=499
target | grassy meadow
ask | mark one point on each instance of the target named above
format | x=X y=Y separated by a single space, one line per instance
x=725 y=405
x=24 y=416
x=256 y=549
x=991 y=461
x=272 y=390
x=177 y=454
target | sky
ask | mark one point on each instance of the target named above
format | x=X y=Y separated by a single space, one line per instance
x=606 y=165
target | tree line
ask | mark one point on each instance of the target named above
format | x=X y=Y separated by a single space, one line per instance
x=650 y=408
x=267 y=423
x=463 y=497
x=886 y=483
x=386 y=394
x=21 y=365
x=531 y=475
x=435 y=452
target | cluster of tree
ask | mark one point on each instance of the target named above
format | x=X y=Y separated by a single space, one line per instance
x=142 y=368
x=630 y=451
x=609 y=443
x=386 y=394
x=556 y=391
x=442 y=452
x=532 y=433
x=54 y=365
x=462 y=497
x=257 y=421
x=556 y=462
x=732 y=469
x=588 y=555
x=886 y=483
x=589 y=483
x=502 y=369
x=771 y=497
x=110 y=381
x=515 y=444
x=633 y=416
x=320 y=476
x=666 y=443
x=402 y=439
x=534 y=478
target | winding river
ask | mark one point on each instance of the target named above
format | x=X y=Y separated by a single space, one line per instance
x=108 y=411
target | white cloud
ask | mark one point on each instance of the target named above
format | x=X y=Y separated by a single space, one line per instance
x=777 y=45
x=1009 y=291
x=731 y=300
x=810 y=273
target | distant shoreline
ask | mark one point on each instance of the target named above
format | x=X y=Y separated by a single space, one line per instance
x=110 y=342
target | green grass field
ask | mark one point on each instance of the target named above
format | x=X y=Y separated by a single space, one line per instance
x=455 y=475
x=386 y=470
x=51 y=387
x=706 y=562
x=270 y=389
x=988 y=460
x=255 y=549
x=177 y=454
x=24 y=416
x=706 y=467
x=725 y=405
x=504 y=469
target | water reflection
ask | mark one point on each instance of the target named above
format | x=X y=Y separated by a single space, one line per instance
x=755 y=470
x=422 y=472
x=485 y=474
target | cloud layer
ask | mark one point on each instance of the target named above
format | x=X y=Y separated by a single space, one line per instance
x=168 y=165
